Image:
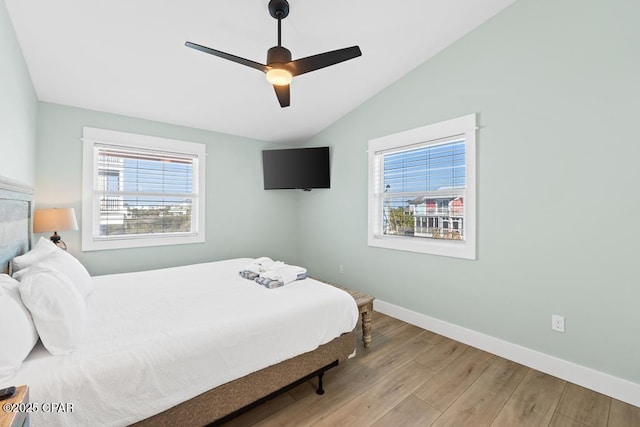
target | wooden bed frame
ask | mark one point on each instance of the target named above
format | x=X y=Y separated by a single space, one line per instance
x=216 y=405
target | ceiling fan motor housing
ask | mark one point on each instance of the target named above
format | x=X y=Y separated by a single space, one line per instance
x=278 y=54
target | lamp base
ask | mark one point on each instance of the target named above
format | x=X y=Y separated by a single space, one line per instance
x=55 y=238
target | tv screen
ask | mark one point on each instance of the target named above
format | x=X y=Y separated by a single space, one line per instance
x=296 y=168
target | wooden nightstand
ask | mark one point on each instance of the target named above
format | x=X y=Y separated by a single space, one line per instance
x=15 y=419
x=365 y=307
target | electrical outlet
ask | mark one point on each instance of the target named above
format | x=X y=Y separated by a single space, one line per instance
x=341 y=269
x=557 y=323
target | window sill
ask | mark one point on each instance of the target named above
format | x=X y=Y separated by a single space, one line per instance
x=450 y=248
x=140 y=242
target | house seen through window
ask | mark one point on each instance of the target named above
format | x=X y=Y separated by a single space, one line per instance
x=423 y=191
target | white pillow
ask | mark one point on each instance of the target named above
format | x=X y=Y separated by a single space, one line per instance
x=18 y=334
x=65 y=263
x=57 y=308
x=18 y=275
x=43 y=248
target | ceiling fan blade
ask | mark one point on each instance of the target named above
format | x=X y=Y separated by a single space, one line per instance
x=322 y=60
x=228 y=56
x=282 y=92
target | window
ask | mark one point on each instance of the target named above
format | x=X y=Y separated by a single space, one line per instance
x=141 y=191
x=422 y=189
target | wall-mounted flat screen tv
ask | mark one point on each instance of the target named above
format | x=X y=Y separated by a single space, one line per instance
x=296 y=168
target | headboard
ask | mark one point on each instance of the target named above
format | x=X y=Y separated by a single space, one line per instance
x=15 y=220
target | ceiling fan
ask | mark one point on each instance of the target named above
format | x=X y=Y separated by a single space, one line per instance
x=280 y=69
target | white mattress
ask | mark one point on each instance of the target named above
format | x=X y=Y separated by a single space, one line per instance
x=157 y=338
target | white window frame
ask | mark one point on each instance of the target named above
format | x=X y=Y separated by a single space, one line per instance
x=91 y=218
x=461 y=126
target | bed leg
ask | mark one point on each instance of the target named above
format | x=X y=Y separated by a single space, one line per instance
x=320 y=390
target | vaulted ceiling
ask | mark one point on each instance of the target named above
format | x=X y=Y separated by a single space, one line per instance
x=128 y=56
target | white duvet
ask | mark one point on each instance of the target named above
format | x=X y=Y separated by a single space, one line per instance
x=157 y=338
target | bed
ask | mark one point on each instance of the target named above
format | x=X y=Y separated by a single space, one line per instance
x=189 y=345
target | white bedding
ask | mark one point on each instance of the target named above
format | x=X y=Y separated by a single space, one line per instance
x=157 y=338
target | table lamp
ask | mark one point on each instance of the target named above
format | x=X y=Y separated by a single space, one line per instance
x=55 y=220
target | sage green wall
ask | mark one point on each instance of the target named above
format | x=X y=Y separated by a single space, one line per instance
x=242 y=220
x=556 y=84
x=18 y=108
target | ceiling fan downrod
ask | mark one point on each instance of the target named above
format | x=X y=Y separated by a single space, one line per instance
x=277 y=55
x=279 y=9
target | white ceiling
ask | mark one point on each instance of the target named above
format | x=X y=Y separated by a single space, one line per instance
x=128 y=56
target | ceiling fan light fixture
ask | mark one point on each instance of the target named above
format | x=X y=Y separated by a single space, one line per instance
x=279 y=77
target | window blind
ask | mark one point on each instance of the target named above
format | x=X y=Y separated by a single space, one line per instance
x=143 y=192
x=422 y=190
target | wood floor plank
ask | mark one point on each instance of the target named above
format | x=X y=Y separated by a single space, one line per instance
x=443 y=352
x=449 y=383
x=401 y=353
x=533 y=403
x=399 y=333
x=560 y=420
x=479 y=404
x=410 y=412
x=623 y=415
x=383 y=353
x=584 y=406
x=381 y=324
x=373 y=403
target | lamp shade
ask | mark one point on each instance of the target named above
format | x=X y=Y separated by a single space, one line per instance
x=54 y=220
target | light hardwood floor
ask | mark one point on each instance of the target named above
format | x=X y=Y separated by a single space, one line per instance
x=413 y=377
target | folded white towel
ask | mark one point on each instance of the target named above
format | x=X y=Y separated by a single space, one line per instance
x=284 y=273
x=262 y=264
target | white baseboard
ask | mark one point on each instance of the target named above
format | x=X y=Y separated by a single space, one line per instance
x=600 y=382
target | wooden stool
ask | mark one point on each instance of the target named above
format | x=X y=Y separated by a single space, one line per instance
x=365 y=307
